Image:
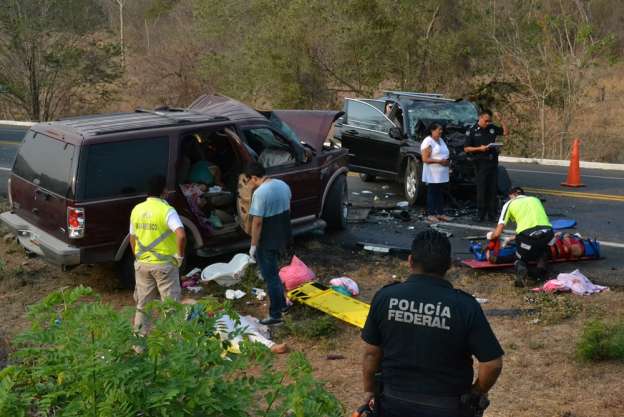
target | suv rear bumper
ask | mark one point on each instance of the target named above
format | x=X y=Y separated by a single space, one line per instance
x=37 y=241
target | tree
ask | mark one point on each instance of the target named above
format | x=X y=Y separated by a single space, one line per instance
x=54 y=57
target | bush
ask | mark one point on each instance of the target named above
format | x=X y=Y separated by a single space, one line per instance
x=78 y=360
x=601 y=341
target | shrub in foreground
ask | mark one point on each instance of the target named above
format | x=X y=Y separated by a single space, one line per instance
x=601 y=341
x=78 y=360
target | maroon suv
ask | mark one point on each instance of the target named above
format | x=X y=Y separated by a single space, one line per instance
x=75 y=181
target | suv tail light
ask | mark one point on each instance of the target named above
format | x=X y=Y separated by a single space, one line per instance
x=75 y=222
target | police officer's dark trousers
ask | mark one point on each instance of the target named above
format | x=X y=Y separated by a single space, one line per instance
x=487 y=187
x=400 y=407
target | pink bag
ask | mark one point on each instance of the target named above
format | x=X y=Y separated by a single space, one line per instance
x=295 y=274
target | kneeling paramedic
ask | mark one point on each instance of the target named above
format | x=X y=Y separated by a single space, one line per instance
x=533 y=232
x=421 y=335
x=158 y=241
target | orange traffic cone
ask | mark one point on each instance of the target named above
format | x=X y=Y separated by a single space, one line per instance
x=574 y=171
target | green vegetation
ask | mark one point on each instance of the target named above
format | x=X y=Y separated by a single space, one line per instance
x=554 y=308
x=313 y=326
x=79 y=359
x=601 y=340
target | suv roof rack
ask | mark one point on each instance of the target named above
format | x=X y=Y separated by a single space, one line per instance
x=140 y=119
x=428 y=96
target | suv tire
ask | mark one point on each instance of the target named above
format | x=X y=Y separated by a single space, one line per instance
x=125 y=267
x=335 y=210
x=125 y=270
x=367 y=177
x=413 y=187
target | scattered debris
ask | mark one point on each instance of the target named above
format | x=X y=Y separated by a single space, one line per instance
x=195 y=290
x=482 y=300
x=366 y=192
x=296 y=274
x=358 y=215
x=347 y=283
x=574 y=281
x=402 y=204
x=259 y=293
x=334 y=357
x=234 y=294
x=385 y=187
x=227 y=274
x=385 y=249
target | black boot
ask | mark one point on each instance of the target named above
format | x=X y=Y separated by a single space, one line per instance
x=521 y=274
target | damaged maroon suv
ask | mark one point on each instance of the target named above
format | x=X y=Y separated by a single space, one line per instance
x=75 y=181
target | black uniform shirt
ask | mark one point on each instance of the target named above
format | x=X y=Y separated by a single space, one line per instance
x=428 y=332
x=478 y=136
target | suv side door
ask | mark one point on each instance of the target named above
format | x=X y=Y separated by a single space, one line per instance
x=364 y=132
x=303 y=177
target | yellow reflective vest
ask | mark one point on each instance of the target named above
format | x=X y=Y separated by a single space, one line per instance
x=155 y=242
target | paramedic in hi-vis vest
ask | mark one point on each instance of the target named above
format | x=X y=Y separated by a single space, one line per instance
x=158 y=241
x=533 y=233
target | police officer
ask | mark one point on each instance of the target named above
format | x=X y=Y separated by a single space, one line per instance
x=479 y=144
x=158 y=241
x=421 y=334
x=533 y=232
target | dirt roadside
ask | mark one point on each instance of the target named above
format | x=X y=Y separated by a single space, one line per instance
x=541 y=376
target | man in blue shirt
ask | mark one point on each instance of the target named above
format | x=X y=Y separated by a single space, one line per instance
x=270 y=233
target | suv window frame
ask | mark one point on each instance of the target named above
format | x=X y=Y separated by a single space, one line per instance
x=375 y=109
x=70 y=191
x=153 y=134
x=278 y=168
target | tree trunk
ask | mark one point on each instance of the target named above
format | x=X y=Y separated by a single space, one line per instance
x=543 y=125
x=121 y=33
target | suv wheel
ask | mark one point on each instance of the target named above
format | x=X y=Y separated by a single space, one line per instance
x=125 y=267
x=125 y=270
x=336 y=209
x=367 y=177
x=413 y=187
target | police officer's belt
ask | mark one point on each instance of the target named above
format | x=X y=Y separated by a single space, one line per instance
x=447 y=403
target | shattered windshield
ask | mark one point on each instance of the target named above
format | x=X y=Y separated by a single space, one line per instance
x=457 y=113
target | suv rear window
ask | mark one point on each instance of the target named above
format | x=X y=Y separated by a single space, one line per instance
x=46 y=162
x=121 y=168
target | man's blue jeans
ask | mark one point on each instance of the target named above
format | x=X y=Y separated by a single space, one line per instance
x=267 y=262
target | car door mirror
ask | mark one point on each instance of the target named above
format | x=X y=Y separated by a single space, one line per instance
x=396 y=133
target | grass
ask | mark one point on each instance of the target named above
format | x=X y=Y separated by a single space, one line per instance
x=554 y=308
x=601 y=340
x=309 y=324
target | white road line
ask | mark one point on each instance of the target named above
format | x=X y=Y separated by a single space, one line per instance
x=5 y=169
x=563 y=174
x=484 y=228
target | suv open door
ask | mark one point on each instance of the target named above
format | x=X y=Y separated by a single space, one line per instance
x=365 y=133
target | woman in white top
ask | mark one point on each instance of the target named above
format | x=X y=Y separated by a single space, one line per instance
x=435 y=157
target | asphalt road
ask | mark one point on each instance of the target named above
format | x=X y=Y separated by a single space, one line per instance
x=598 y=209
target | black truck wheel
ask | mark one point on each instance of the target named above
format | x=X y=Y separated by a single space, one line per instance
x=412 y=181
x=335 y=210
x=367 y=177
x=125 y=270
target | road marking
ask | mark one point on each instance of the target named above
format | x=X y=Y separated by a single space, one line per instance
x=9 y=142
x=577 y=194
x=5 y=169
x=488 y=229
x=563 y=174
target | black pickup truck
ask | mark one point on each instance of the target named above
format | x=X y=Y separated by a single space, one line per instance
x=388 y=144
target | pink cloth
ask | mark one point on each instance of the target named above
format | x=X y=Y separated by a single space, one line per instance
x=346 y=282
x=574 y=281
